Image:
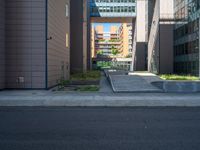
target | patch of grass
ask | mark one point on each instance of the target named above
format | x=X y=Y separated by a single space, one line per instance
x=62 y=83
x=89 y=75
x=179 y=77
x=89 y=88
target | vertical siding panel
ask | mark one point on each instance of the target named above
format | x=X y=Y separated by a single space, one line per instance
x=58 y=52
x=2 y=43
x=25 y=43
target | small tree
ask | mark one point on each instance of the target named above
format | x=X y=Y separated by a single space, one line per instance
x=114 y=51
x=99 y=53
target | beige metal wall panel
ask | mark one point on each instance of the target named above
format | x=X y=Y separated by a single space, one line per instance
x=2 y=44
x=59 y=41
x=25 y=44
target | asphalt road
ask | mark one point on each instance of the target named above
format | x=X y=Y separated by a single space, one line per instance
x=99 y=128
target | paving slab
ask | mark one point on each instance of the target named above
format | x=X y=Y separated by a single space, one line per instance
x=131 y=83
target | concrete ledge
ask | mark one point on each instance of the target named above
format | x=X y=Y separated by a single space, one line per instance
x=149 y=100
x=178 y=86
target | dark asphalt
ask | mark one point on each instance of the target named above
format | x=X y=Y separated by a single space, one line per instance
x=99 y=128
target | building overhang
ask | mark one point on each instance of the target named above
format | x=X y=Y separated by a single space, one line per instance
x=112 y=19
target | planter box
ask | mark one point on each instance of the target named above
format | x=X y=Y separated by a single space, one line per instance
x=83 y=82
x=178 y=86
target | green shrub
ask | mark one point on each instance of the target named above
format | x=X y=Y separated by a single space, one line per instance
x=62 y=83
x=89 y=88
x=178 y=77
x=89 y=75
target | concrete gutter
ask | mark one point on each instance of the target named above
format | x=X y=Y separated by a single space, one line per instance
x=103 y=100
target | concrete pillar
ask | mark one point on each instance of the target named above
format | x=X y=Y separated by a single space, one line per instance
x=139 y=51
x=79 y=35
x=76 y=24
x=199 y=47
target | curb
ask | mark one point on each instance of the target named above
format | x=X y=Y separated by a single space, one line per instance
x=102 y=101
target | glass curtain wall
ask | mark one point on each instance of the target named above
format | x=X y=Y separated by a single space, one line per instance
x=186 y=48
x=112 y=8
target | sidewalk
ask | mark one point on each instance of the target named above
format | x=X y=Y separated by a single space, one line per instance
x=48 y=98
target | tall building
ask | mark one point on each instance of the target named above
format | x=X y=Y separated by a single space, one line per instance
x=160 y=40
x=118 y=38
x=34 y=43
x=105 y=42
x=125 y=33
x=187 y=40
x=42 y=41
x=153 y=36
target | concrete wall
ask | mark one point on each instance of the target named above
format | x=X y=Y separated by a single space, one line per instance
x=166 y=49
x=141 y=21
x=149 y=16
x=25 y=44
x=80 y=36
x=2 y=44
x=80 y=39
x=58 y=41
x=139 y=46
x=76 y=54
x=166 y=9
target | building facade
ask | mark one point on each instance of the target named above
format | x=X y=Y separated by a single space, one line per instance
x=35 y=46
x=187 y=32
x=126 y=38
x=105 y=42
x=160 y=40
x=118 y=40
x=80 y=36
x=112 y=8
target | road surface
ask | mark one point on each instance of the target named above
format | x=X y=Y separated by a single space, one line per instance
x=64 y=128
